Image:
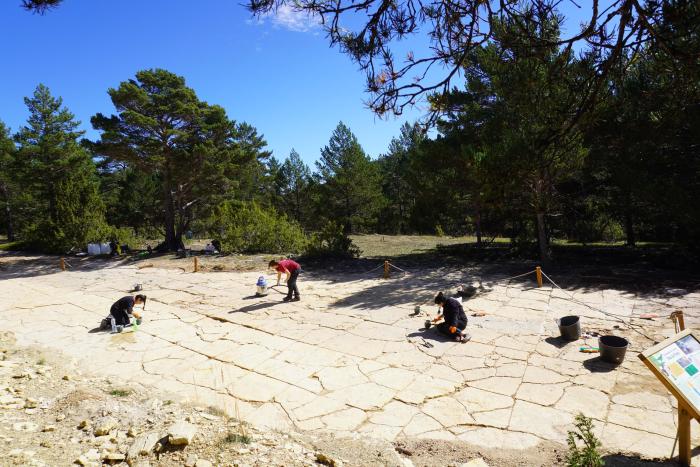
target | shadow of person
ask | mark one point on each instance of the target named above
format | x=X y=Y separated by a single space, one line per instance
x=96 y=330
x=597 y=365
x=432 y=334
x=557 y=342
x=254 y=307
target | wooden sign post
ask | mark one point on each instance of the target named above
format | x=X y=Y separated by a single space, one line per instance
x=676 y=363
x=538 y=273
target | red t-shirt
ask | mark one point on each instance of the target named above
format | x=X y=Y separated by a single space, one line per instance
x=287 y=264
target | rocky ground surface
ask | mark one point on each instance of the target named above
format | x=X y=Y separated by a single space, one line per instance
x=350 y=362
x=53 y=413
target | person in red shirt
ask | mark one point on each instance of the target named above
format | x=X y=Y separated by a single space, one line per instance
x=291 y=269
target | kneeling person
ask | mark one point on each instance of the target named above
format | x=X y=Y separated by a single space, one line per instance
x=121 y=311
x=455 y=318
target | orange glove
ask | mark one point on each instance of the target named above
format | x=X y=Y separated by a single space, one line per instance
x=453 y=329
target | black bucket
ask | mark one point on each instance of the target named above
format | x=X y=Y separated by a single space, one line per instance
x=570 y=328
x=612 y=348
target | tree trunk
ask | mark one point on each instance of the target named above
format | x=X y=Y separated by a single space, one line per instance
x=171 y=239
x=629 y=230
x=8 y=220
x=542 y=238
x=477 y=222
x=8 y=213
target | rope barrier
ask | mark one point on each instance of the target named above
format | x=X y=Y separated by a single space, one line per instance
x=515 y=277
x=372 y=270
x=617 y=317
x=396 y=267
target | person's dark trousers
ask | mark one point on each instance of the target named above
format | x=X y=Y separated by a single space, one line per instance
x=292 y=284
x=444 y=328
x=121 y=317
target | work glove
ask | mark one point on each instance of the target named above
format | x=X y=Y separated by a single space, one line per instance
x=453 y=329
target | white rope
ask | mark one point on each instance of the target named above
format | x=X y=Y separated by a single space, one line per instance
x=396 y=267
x=607 y=313
x=515 y=277
x=372 y=270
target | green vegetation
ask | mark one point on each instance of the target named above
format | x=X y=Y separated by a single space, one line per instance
x=536 y=144
x=250 y=228
x=236 y=438
x=120 y=392
x=587 y=454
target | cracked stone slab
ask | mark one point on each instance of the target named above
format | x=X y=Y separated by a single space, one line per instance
x=350 y=362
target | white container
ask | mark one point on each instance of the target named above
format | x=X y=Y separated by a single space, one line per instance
x=93 y=249
x=105 y=249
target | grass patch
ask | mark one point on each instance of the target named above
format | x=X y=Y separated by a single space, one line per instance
x=120 y=392
x=236 y=438
x=376 y=245
x=168 y=402
x=13 y=246
x=216 y=411
x=41 y=361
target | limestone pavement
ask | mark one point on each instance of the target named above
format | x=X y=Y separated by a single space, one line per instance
x=351 y=358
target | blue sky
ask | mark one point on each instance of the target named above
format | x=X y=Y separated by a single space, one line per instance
x=278 y=74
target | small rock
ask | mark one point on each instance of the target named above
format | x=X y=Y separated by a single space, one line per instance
x=104 y=426
x=112 y=456
x=31 y=403
x=191 y=460
x=84 y=424
x=203 y=463
x=60 y=417
x=66 y=378
x=48 y=428
x=89 y=459
x=143 y=445
x=46 y=444
x=181 y=433
x=479 y=462
x=325 y=460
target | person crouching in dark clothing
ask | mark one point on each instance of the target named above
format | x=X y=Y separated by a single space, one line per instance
x=123 y=308
x=455 y=319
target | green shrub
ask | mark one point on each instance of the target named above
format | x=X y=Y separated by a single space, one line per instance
x=249 y=228
x=587 y=455
x=331 y=241
x=439 y=231
x=125 y=236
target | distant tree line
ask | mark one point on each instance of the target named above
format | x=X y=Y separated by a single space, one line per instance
x=516 y=154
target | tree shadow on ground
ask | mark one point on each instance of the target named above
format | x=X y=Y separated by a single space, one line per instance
x=645 y=271
x=620 y=460
x=431 y=272
x=15 y=265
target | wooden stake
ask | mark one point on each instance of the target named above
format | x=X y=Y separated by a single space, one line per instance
x=678 y=320
x=684 y=450
x=63 y=264
x=386 y=269
x=196 y=264
x=538 y=270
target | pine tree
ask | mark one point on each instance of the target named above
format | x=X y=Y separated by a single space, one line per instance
x=349 y=182
x=293 y=180
x=200 y=156
x=7 y=179
x=66 y=208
